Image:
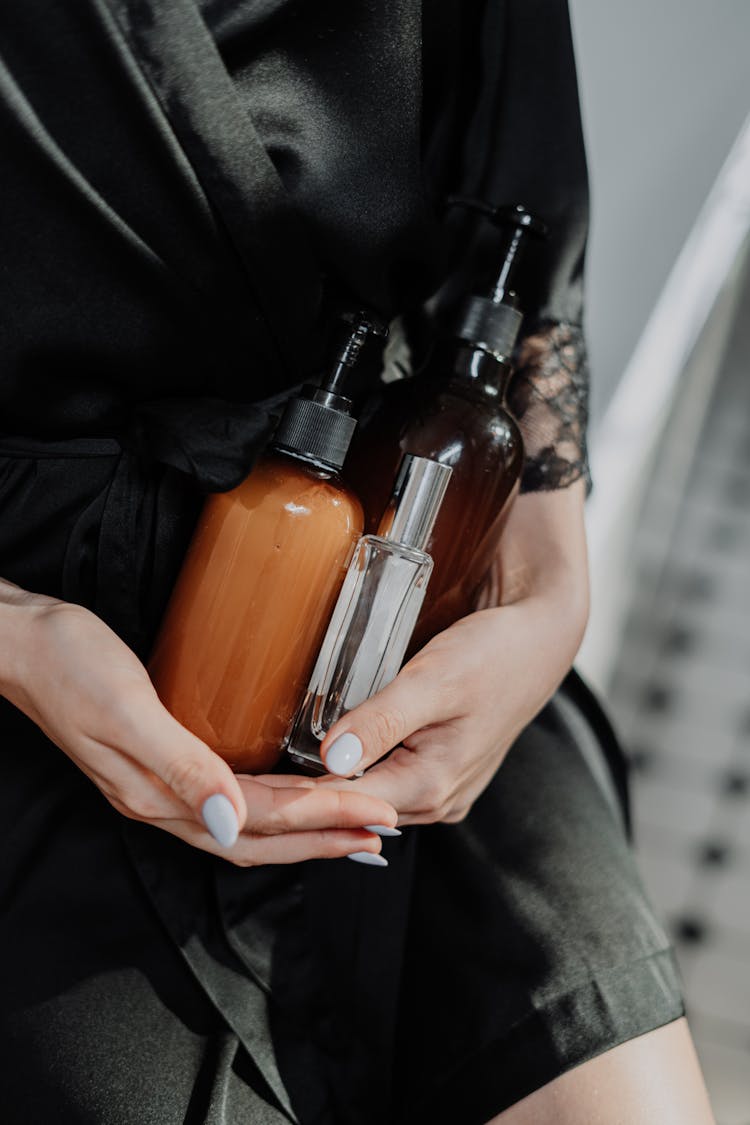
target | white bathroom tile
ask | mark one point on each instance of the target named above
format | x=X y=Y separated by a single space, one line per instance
x=719 y=985
x=731 y=903
x=668 y=882
x=742 y=827
x=682 y=811
x=727 y=1073
x=686 y=653
x=697 y=749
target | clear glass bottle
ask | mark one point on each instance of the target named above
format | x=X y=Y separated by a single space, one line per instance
x=376 y=611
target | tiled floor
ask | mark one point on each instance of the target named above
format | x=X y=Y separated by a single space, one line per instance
x=681 y=699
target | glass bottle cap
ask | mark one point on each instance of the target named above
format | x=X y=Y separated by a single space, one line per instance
x=415 y=501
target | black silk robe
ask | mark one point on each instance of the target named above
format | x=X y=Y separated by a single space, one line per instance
x=189 y=194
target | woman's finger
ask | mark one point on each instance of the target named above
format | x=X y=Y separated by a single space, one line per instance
x=197 y=776
x=132 y=789
x=275 y=809
x=292 y=847
x=330 y=825
x=417 y=783
x=410 y=702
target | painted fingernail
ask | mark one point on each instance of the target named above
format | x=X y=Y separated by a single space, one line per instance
x=382 y=830
x=220 y=819
x=344 y=755
x=368 y=857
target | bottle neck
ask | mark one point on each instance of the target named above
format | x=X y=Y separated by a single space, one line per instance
x=302 y=459
x=484 y=372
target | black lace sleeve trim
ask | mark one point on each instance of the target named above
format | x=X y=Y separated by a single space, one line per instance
x=549 y=398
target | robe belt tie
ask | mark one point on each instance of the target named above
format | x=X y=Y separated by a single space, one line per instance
x=139 y=507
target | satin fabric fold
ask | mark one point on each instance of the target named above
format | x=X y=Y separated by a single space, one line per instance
x=178 y=55
x=122 y=275
x=183 y=896
x=20 y=114
x=125 y=544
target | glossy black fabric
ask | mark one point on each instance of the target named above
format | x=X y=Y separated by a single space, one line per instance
x=189 y=194
x=490 y=957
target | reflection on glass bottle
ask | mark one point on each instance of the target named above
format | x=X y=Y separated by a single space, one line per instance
x=377 y=608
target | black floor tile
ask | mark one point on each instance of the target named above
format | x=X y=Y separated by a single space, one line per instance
x=714 y=853
x=658 y=698
x=691 y=929
x=736 y=783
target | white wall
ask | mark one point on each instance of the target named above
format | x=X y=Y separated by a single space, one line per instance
x=665 y=87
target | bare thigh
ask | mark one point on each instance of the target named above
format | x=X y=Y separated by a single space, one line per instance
x=652 y=1080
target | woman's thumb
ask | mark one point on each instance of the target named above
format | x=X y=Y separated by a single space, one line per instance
x=200 y=778
x=371 y=730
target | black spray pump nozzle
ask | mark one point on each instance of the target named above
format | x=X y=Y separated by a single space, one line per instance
x=317 y=424
x=521 y=224
x=361 y=327
x=493 y=322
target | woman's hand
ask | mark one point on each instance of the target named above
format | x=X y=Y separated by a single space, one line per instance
x=456 y=707
x=74 y=677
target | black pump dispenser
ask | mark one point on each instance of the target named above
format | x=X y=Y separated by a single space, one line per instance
x=318 y=423
x=492 y=322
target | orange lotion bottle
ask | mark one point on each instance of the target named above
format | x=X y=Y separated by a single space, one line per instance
x=260 y=580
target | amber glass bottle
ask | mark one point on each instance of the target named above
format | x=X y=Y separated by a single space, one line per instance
x=260 y=579
x=454 y=412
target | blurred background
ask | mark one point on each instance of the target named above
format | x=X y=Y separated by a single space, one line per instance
x=666 y=100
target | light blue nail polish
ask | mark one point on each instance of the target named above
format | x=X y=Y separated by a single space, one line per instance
x=220 y=819
x=382 y=830
x=344 y=755
x=369 y=858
